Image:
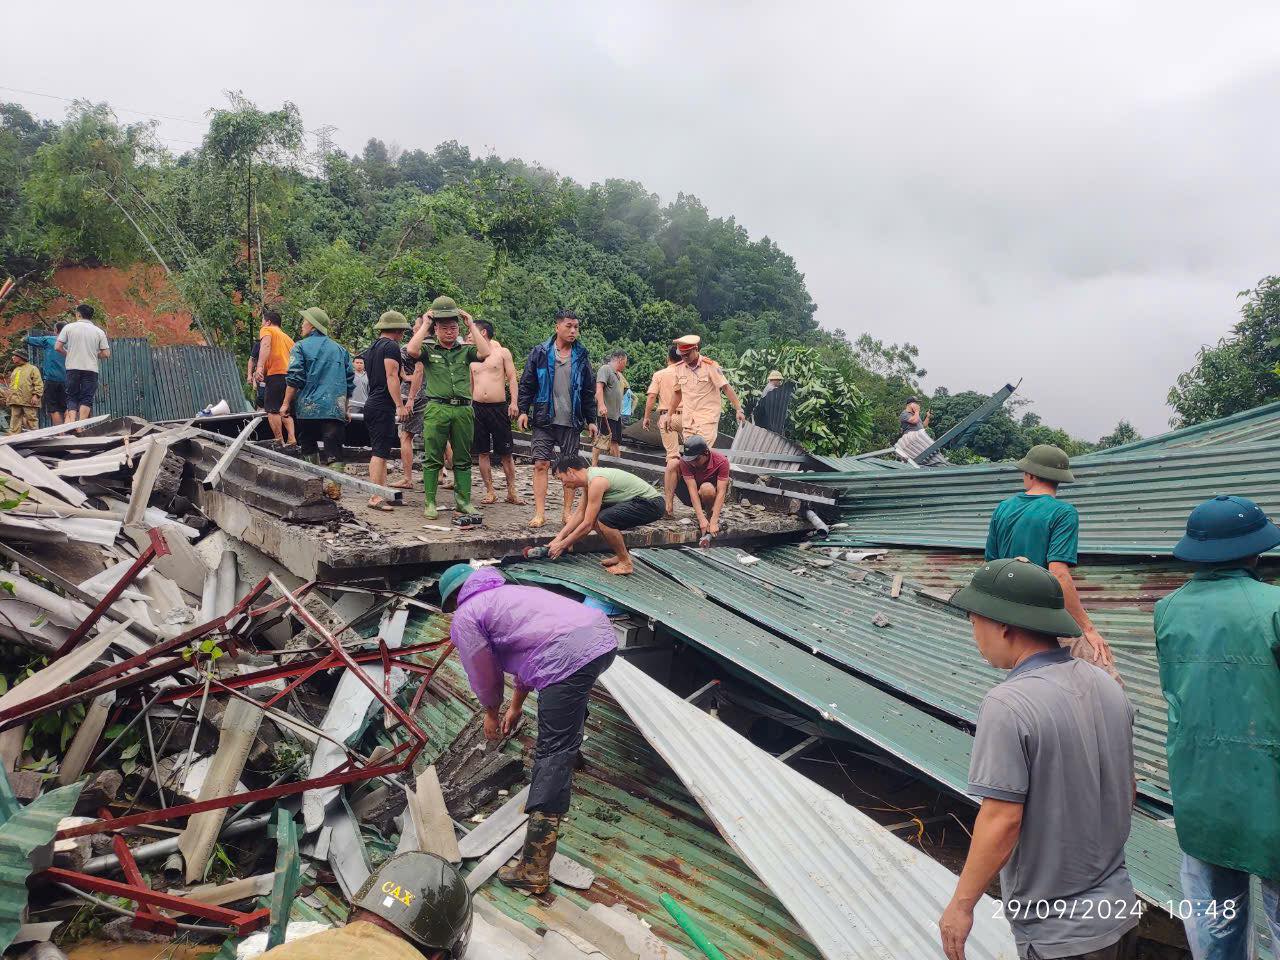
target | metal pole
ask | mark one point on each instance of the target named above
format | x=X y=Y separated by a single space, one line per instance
x=162 y=848
x=690 y=928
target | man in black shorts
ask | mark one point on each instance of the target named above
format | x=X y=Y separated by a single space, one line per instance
x=494 y=408
x=613 y=500
x=557 y=394
x=609 y=390
x=384 y=406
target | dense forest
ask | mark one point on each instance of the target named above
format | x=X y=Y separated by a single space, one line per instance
x=264 y=210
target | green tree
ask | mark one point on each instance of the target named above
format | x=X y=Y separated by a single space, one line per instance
x=1122 y=434
x=828 y=413
x=1240 y=371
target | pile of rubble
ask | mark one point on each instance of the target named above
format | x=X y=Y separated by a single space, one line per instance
x=207 y=746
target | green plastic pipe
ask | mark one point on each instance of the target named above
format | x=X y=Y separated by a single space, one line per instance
x=690 y=928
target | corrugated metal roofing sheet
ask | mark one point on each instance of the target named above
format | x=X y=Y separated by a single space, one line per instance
x=28 y=828
x=1250 y=426
x=934 y=748
x=859 y=891
x=1135 y=505
x=635 y=824
x=926 y=651
x=166 y=383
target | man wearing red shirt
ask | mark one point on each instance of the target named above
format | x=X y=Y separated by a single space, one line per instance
x=704 y=483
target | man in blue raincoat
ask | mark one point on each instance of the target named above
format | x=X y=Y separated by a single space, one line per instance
x=318 y=388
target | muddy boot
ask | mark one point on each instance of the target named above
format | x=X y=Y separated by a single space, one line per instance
x=430 y=479
x=462 y=493
x=532 y=872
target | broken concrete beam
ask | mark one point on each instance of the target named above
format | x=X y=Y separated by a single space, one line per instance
x=278 y=489
x=432 y=825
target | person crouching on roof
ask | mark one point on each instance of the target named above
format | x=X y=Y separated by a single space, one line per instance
x=548 y=643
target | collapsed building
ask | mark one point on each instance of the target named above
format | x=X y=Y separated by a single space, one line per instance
x=259 y=703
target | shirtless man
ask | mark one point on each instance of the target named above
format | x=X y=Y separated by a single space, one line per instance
x=494 y=407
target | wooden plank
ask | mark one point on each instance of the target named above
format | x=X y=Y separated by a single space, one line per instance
x=496 y=828
x=895 y=589
x=432 y=824
x=86 y=738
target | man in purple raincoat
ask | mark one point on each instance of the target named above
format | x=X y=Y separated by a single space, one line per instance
x=550 y=644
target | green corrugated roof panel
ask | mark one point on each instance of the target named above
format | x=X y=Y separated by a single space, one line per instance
x=936 y=749
x=1249 y=426
x=1133 y=505
x=632 y=822
x=166 y=383
x=27 y=829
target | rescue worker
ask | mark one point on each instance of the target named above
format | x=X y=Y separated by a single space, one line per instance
x=557 y=395
x=662 y=390
x=1218 y=644
x=613 y=500
x=318 y=386
x=26 y=388
x=446 y=382
x=414 y=905
x=699 y=384
x=548 y=643
x=1052 y=762
x=700 y=478
x=384 y=406
x=609 y=389
x=1037 y=525
x=273 y=364
x=53 y=368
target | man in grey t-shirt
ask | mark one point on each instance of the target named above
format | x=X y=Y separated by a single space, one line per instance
x=609 y=406
x=1053 y=763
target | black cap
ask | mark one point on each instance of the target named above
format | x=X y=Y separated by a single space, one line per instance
x=695 y=447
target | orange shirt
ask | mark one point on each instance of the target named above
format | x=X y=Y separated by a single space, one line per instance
x=277 y=359
x=663 y=386
x=700 y=392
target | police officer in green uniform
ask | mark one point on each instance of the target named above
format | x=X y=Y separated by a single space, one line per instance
x=1218 y=643
x=446 y=384
x=414 y=905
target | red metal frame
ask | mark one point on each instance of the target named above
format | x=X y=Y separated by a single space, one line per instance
x=242 y=923
x=158 y=548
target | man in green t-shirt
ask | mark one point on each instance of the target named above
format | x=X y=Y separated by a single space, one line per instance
x=614 y=501
x=446 y=384
x=1037 y=525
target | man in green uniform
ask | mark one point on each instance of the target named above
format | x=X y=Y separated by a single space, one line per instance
x=414 y=905
x=1218 y=642
x=1037 y=525
x=446 y=384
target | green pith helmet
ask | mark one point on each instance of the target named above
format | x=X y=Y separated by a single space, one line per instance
x=424 y=897
x=442 y=308
x=391 y=320
x=453 y=578
x=317 y=318
x=1047 y=462
x=1017 y=592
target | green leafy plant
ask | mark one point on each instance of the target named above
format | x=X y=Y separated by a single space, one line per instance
x=828 y=413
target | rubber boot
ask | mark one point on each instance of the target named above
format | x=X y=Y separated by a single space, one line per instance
x=532 y=872
x=430 y=480
x=462 y=492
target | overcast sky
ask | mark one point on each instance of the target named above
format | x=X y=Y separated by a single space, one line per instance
x=1071 y=197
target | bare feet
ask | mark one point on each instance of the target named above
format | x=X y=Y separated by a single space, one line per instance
x=621 y=568
x=538 y=521
x=609 y=561
x=515 y=498
x=488 y=498
x=377 y=503
x=401 y=485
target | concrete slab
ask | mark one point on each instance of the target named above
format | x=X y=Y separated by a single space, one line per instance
x=370 y=545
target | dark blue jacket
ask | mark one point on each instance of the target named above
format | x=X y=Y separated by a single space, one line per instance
x=324 y=376
x=536 y=395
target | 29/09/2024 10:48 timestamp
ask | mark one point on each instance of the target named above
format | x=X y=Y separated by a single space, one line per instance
x=1110 y=909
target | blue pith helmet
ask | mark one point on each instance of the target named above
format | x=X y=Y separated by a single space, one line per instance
x=1226 y=528
x=453 y=578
